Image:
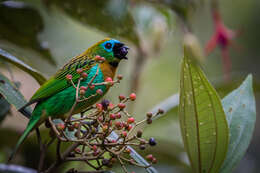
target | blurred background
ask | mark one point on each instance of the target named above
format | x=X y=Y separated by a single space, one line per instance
x=45 y=34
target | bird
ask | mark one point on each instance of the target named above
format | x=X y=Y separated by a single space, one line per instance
x=56 y=96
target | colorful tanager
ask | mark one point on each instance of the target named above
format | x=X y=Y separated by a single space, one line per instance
x=56 y=96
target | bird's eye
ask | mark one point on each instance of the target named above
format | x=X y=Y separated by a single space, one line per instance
x=108 y=45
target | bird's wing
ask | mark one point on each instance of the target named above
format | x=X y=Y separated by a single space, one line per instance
x=58 y=82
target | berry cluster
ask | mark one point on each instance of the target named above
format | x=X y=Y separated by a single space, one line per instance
x=92 y=132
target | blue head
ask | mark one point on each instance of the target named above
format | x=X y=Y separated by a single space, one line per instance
x=112 y=50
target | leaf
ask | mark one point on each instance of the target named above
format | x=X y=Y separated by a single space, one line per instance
x=202 y=119
x=240 y=109
x=11 y=93
x=139 y=159
x=15 y=169
x=13 y=60
x=20 y=24
x=110 y=16
x=5 y=107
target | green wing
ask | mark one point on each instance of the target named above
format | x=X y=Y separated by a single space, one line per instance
x=58 y=82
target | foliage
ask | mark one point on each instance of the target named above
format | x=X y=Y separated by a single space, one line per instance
x=35 y=36
x=202 y=119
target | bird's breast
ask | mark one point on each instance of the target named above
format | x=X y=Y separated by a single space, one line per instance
x=107 y=70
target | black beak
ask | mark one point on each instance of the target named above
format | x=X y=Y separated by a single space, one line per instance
x=120 y=50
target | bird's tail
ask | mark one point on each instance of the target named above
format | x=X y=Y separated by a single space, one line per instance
x=33 y=121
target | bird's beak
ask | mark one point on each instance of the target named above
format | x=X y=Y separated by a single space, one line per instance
x=120 y=50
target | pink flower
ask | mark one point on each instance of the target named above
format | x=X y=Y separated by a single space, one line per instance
x=223 y=38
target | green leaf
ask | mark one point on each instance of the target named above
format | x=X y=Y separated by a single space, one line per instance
x=240 y=109
x=202 y=119
x=5 y=107
x=110 y=16
x=20 y=25
x=11 y=93
x=13 y=60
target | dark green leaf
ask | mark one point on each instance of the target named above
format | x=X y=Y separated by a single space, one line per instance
x=202 y=119
x=109 y=16
x=5 y=107
x=12 y=59
x=20 y=24
x=240 y=109
x=11 y=93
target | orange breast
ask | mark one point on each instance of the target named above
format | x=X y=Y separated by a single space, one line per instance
x=107 y=70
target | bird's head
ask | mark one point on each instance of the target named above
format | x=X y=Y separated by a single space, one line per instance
x=112 y=50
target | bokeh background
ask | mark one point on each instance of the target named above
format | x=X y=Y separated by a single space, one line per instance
x=47 y=33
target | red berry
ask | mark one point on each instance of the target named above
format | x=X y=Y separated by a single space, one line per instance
x=76 y=125
x=139 y=133
x=82 y=92
x=160 y=111
x=121 y=97
x=149 y=121
x=124 y=134
x=99 y=91
x=129 y=127
x=113 y=160
x=149 y=157
x=96 y=153
x=92 y=87
x=110 y=106
x=125 y=124
x=105 y=128
x=154 y=161
x=68 y=76
x=121 y=105
x=149 y=114
x=119 y=77
x=99 y=58
x=99 y=106
x=60 y=126
x=112 y=116
x=118 y=124
x=79 y=71
x=108 y=79
x=128 y=150
x=132 y=96
x=130 y=120
x=83 y=88
x=84 y=75
x=94 y=148
x=100 y=118
x=113 y=141
x=118 y=115
x=77 y=150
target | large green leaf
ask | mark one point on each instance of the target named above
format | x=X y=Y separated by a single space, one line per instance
x=11 y=93
x=20 y=25
x=202 y=119
x=240 y=109
x=12 y=59
x=110 y=16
